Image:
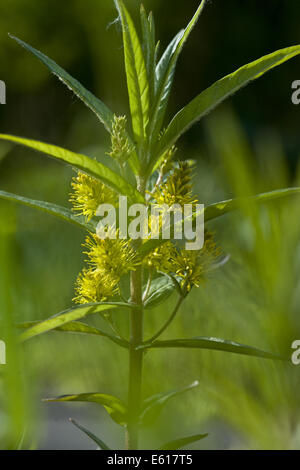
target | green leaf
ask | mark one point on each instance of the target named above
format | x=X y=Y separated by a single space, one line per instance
x=52 y=209
x=153 y=405
x=113 y=405
x=105 y=115
x=165 y=72
x=92 y=436
x=99 y=108
x=83 y=163
x=180 y=443
x=218 y=92
x=78 y=327
x=137 y=80
x=149 y=47
x=161 y=289
x=163 y=84
x=70 y=315
x=216 y=344
x=221 y=208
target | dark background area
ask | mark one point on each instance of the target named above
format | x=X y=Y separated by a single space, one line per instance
x=79 y=37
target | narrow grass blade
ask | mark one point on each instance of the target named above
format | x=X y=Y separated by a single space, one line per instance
x=180 y=443
x=153 y=405
x=92 y=436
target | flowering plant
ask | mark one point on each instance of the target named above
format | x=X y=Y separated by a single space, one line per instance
x=143 y=151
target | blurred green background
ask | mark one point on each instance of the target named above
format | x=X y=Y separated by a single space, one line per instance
x=249 y=145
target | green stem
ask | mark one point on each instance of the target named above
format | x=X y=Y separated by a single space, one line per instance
x=135 y=355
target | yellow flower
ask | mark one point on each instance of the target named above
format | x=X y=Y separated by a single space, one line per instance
x=109 y=260
x=93 y=286
x=161 y=259
x=189 y=266
x=192 y=266
x=89 y=193
x=177 y=189
x=121 y=149
x=113 y=257
x=189 y=269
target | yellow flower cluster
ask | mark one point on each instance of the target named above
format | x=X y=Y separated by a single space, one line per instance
x=109 y=259
x=113 y=256
x=88 y=194
x=191 y=267
x=121 y=149
x=91 y=286
x=177 y=189
x=161 y=259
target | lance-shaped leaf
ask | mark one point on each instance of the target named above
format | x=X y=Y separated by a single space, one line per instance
x=218 y=92
x=91 y=435
x=78 y=328
x=96 y=105
x=183 y=442
x=67 y=316
x=113 y=405
x=104 y=114
x=53 y=209
x=165 y=72
x=216 y=344
x=160 y=290
x=221 y=208
x=153 y=405
x=81 y=162
x=149 y=46
x=224 y=207
x=137 y=80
